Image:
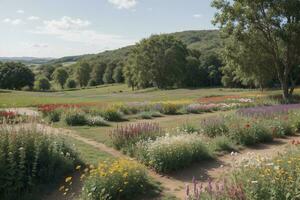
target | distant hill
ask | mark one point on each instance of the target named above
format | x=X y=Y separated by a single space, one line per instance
x=26 y=60
x=203 y=40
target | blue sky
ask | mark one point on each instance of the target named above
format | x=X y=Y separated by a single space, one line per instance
x=56 y=28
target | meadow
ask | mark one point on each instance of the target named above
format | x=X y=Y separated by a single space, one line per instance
x=126 y=142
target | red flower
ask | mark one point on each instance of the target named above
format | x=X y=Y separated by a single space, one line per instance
x=247 y=126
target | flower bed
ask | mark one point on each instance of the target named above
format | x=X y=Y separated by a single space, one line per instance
x=170 y=153
x=120 y=179
x=125 y=137
x=256 y=178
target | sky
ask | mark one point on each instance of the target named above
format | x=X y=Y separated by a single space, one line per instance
x=57 y=28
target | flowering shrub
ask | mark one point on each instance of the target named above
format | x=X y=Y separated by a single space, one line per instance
x=268 y=111
x=277 y=178
x=96 y=121
x=170 y=153
x=112 y=114
x=247 y=133
x=30 y=158
x=121 y=179
x=213 y=127
x=74 y=117
x=221 y=190
x=200 y=108
x=168 y=108
x=7 y=116
x=125 y=137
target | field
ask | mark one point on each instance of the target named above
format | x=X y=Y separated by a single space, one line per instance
x=172 y=137
x=113 y=93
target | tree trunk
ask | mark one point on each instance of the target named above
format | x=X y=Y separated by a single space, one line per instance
x=286 y=92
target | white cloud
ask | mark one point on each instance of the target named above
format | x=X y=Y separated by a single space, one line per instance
x=197 y=16
x=79 y=31
x=39 y=45
x=20 y=11
x=123 y=4
x=12 y=21
x=32 y=18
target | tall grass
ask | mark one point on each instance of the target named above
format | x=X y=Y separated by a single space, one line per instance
x=30 y=158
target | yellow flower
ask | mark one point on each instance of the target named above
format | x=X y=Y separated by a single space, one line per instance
x=78 y=167
x=68 y=179
x=61 y=188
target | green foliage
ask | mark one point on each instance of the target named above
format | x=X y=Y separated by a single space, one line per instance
x=265 y=31
x=98 y=72
x=112 y=114
x=213 y=127
x=118 y=75
x=96 y=121
x=223 y=143
x=74 y=117
x=158 y=61
x=42 y=84
x=55 y=115
x=120 y=179
x=60 y=75
x=83 y=71
x=168 y=154
x=71 y=83
x=15 y=76
x=108 y=74
x=246 y=133
x=169 y=108
x=30 y=158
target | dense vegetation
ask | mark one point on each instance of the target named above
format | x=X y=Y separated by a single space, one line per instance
x=30 y=159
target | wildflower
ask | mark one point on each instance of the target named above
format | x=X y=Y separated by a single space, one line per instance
x=78 y=167
x=254 y=182
x=68 y=179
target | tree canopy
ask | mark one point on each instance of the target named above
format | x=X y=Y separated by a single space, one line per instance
x=267 y=30
x=15 y=76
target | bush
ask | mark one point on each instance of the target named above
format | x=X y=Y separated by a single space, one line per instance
x=75 y=118
x=280 y=128
x=112 y=115
x=126 y=137
x=42 y=84
x=121 y=179
x=145 y=115
x=168 y=108
x=200 y=108
x=148 y=115
x=247 y=133
x=55 y=115
x=213 y=127
x=223 y=143
x=71 y=83
x=188 y=128
x=167 y=154
x=30 y=158
x=96 y=121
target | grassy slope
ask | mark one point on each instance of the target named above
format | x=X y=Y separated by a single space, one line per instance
x=114 y=93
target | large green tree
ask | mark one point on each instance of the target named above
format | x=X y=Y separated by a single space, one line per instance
x=15 y=76
x=158 y=61
x=83 y=74
x=60 y=76
x=268 y=28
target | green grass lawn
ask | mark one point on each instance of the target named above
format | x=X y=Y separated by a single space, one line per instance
x=111 y=93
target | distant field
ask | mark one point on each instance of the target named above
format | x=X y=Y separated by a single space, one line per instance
x=114 y=93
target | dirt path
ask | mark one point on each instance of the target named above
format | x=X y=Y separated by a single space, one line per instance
x=174 y=183
x=24 y=111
